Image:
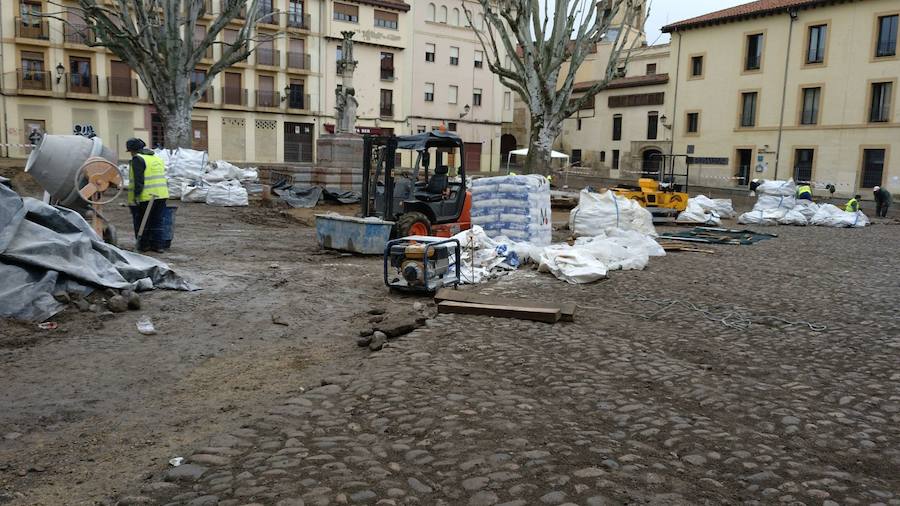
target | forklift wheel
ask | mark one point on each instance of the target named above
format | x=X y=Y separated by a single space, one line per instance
x=413 y=223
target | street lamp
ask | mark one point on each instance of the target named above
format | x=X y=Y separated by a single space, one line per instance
x=59 y=72
x=287 y=91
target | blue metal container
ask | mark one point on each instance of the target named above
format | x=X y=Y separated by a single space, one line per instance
x=367 y=236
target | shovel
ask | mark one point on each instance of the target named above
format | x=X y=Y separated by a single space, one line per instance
x=146 y=217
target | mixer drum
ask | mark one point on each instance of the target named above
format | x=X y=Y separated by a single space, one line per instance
x=55 y=162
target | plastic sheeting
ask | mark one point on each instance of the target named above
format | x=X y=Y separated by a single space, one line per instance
x=45 y=249
x=598 y=213
x=309 y=196
x=484 y=258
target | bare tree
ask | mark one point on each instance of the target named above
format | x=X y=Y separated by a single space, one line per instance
x=536 y=46
x=156 y=39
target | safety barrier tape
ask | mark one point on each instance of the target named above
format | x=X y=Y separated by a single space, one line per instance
x=18 y=145
x=694 y=176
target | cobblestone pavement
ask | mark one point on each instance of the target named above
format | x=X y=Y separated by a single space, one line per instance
x=674 y=408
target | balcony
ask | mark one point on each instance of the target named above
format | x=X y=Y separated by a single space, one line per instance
x=265 y=56
x=387 y=74
x=32 y=28
x=234 y=96
x=299 y=61
x=209 y=50
x=299 y=21
x=386 y=110
x=82 y=83
x=78 y=34
x=267 y=98
x=208 y=96
x=208 y=4
x=34 y=80
x=297 y=100
x=267 y=15
x=122 y=87
x=241 y=15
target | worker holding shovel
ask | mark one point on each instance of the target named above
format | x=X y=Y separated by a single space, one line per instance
x=147 y=194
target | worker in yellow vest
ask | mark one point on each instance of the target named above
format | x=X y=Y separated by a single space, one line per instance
x=804 y=192
x=147 y=194
x=853 y=204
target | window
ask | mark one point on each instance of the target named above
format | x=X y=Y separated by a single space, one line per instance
x=507 y=100
x=803 y=164
x=873 y=167
x=476 y=96
x=233 y=92
x=602 y=156
x=420 y=129
x=651 y=69
x=197 y=78
x=696 y=66
x=815 y=51
x=265 y=92
x=612 y=35
x=809 y=114
x=455 y=19
x=338 y=56
x=617 y=127
x=265 y=50
x=387 y=103
x=296 y=97
x=652 y=125
x=479 y=59
x=880 y=110
x=454 y=56
x=386 y=19
x=886 y=43
x=429 y=52
x=452 y=94
x=387 y=66
x=753 y=59
x=430 y=12
x=442 y=14
x=615 y=160
x=295 y=14
x=266 y=11
x=429 y=92
x=120 y=82
x=346 y=12
x=229 y=36
x=451 y=127
x=80 y=78
x=748 y=109
x=576 y=158
x=33 y=75
x=693 y=122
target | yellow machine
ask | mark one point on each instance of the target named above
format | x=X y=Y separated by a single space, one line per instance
x=665 y=196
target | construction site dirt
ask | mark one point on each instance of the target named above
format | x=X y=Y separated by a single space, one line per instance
x=642 y=399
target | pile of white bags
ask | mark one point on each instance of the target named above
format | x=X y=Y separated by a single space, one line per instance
x=227 y=194
x=193 y=178
x=704 y=210
x=515 y=207
x=776 y=204
x=597 y=213
x=591 y=258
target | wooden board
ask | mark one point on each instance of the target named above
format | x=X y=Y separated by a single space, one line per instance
x=566 y=309
x=547 y=315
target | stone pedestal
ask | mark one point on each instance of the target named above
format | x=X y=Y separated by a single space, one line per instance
x=339 y=161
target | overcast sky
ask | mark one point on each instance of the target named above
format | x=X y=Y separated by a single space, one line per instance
x=663 y=12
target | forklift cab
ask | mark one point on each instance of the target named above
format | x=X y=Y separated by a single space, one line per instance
x=425 y=199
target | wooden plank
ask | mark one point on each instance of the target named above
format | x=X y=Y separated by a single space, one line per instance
x=567 y=309
x=547 y=315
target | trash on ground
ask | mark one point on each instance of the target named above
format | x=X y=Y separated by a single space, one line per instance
x=145 y=326
x=46 y=250
x=776 y=204
x=711 y=235
x=704 y=210
x=566 y=309
x=514 y=207
x=176 y=461
x=484 y=258
x=598 y=212
x=48 y=326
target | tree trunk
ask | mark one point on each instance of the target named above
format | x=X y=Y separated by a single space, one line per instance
x=177 y=126
x=540 y=145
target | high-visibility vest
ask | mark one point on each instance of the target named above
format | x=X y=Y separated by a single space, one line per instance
x=852 y=206
x=154 y=180
x=801 y=190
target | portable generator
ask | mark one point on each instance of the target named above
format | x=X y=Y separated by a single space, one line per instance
x=420 y=263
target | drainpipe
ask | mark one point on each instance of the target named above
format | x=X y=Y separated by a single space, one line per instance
x=675 y=96
x=5 y=138
x=787 y=59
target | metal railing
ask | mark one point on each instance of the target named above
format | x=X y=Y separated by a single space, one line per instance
x=267 y=98
x=234 y=96
x=267 y=14
x=298 y=60
x=32 y=27
x=82 y=83
x=265 y=56
x=298 y=100
x=122 y=87
x=78 y=34
x=241 y=15
x=386 y=110
x=34 y=80
x=301 y=21
x=208 y=96
x=387 y=74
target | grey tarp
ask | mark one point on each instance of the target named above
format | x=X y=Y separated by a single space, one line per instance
x=45 y=249
x=434 y=138
x=309 y=196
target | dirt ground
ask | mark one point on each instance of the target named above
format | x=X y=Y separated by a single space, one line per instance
x=91 y=405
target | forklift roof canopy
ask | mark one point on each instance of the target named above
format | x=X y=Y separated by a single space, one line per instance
x=433 y=139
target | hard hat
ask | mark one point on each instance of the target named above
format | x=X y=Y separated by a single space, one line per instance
x=135 y=144
x=875 y=189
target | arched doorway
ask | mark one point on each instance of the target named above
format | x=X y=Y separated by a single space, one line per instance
x=651 y=161
x=507 y=144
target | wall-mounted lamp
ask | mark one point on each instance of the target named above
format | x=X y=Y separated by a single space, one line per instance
x=59 y=72
x=664 y=121
x=287 y=92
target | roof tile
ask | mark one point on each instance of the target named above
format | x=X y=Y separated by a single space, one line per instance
x=760 y=7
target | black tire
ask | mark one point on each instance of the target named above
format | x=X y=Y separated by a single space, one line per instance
x=409 y=220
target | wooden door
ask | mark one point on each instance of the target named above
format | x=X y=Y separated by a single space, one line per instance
x=473 y=157
x=199 y=135
x=233 y=92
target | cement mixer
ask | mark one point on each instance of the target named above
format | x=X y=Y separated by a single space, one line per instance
x=76 y=172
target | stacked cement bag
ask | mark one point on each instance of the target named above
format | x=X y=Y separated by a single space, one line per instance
x=777 y=205
x=515 y=207
x=704 y=210
x=597 y=213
